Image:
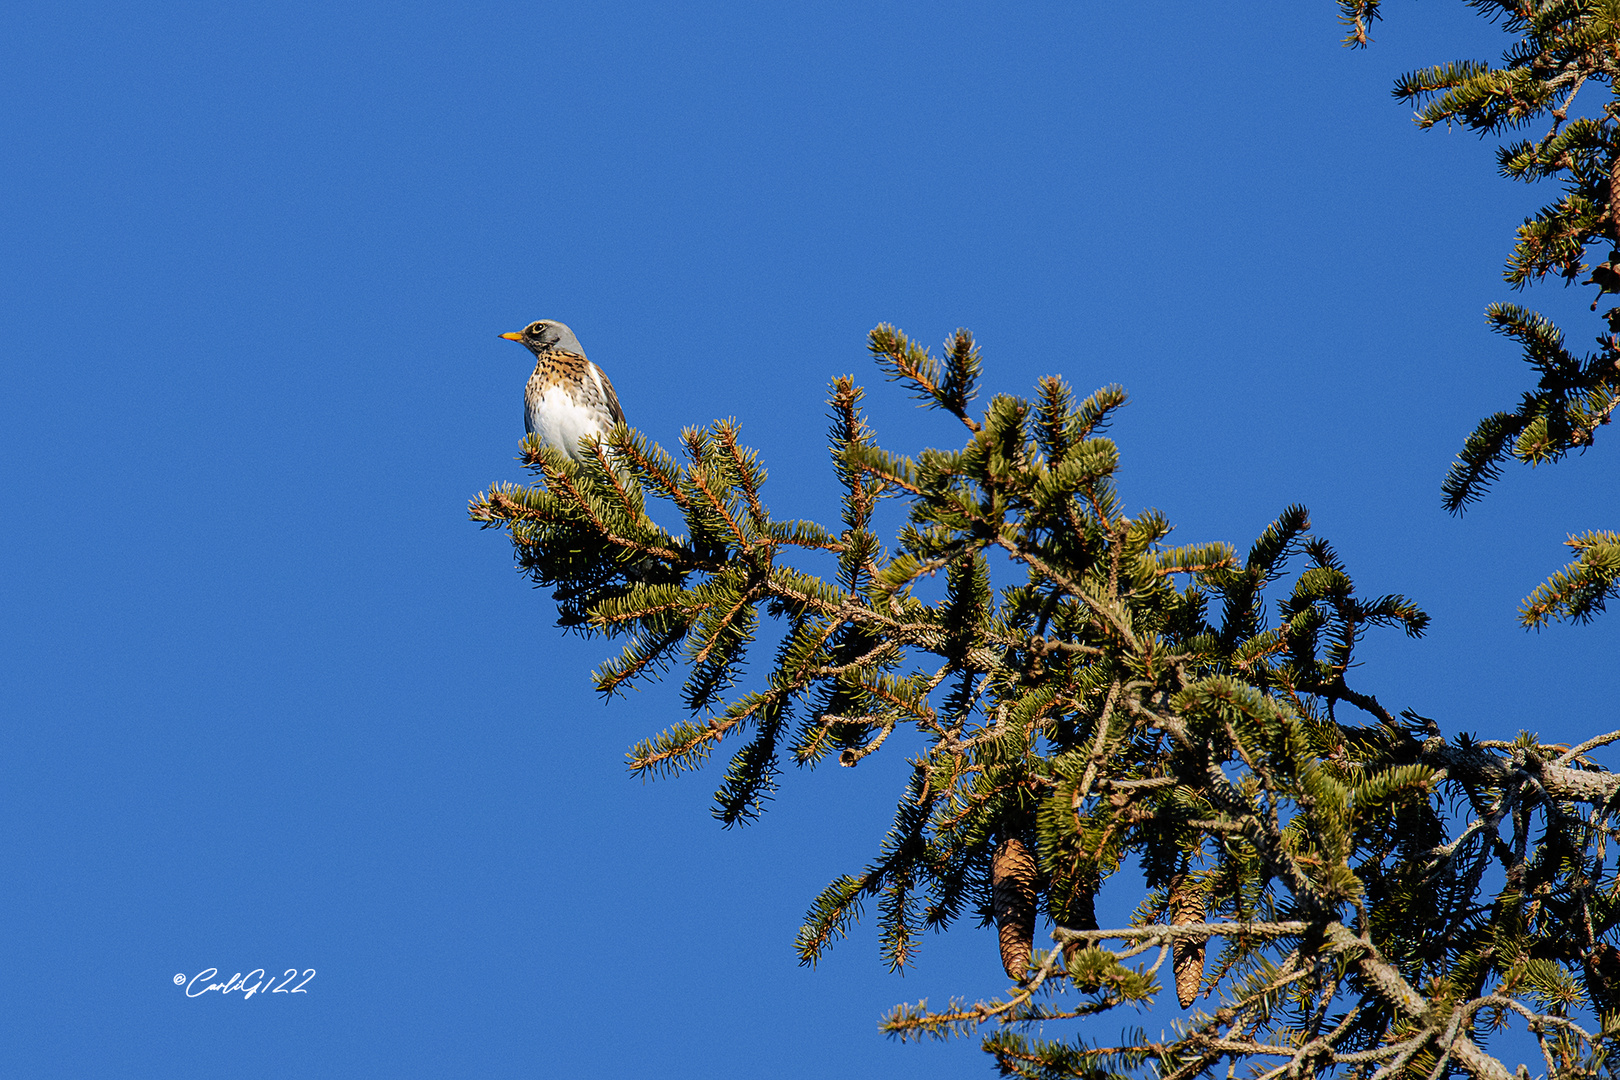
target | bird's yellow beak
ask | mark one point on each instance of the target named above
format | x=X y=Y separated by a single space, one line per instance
x=513 y=337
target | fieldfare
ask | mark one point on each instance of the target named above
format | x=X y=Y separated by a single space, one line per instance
x=567 y=397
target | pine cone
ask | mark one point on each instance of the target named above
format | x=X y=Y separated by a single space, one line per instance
x=1013 y=893
x=1187 y=906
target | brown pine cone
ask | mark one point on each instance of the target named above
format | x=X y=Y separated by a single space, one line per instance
x=1187 y=906
x=1013 y=893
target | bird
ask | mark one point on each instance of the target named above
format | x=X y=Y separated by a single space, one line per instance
x=567 y=397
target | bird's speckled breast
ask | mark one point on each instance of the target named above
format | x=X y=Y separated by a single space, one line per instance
x=566 y=399
x=560 y=368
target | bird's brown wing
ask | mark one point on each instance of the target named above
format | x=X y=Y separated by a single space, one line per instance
x=609 y=398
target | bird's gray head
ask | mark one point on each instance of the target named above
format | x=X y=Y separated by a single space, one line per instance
x=546 y=336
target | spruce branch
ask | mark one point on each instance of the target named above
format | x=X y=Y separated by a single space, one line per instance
x=1082 y=698
x=1581 y=590
x=1358 y=16
x=1558 y=48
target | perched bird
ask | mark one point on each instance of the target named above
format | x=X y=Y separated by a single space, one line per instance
x=567 y=397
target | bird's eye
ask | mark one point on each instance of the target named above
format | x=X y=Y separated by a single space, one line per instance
x=535 y=331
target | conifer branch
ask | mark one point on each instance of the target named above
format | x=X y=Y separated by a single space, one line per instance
x=1558 y=49
x=1581 y=590
x=1076 y=713
x=950 y=388
x=1358 y=15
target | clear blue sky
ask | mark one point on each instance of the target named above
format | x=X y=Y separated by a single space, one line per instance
x=268 y=700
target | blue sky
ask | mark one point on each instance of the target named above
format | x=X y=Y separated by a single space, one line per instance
x=270 y=701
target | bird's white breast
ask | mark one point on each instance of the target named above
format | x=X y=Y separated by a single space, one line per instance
x=561 y=421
